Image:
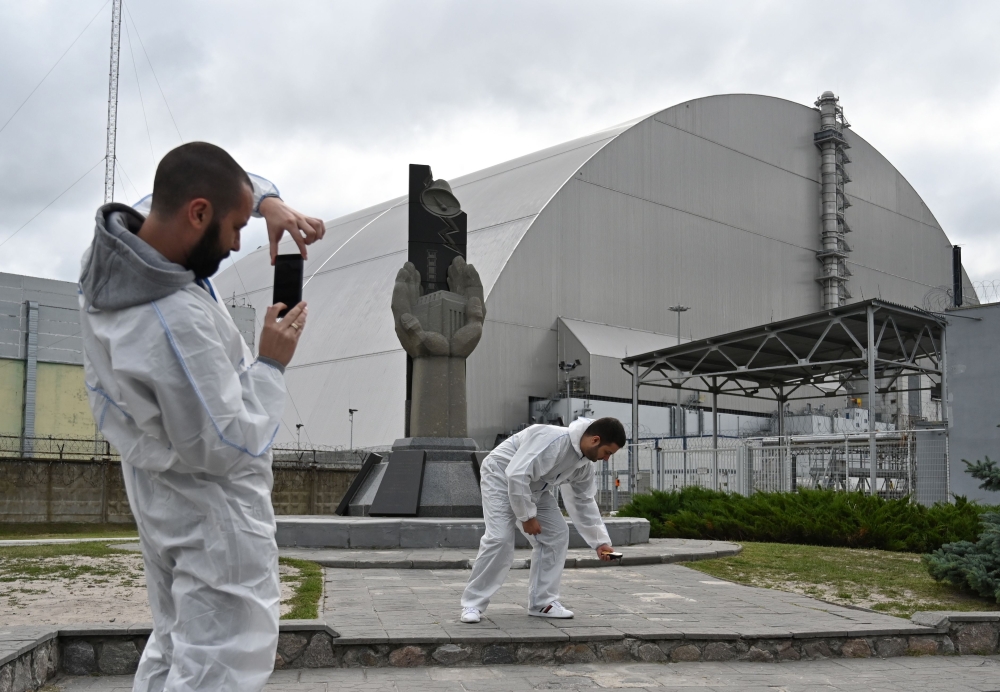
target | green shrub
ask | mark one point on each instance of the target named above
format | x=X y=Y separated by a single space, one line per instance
x=973 y=567
x=812 y=517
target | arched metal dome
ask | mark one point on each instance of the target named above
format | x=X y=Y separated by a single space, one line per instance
x=714 y=202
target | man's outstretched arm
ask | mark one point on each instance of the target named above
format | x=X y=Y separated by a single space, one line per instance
x=279 y=217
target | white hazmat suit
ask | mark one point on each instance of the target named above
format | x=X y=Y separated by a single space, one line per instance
x=175 y=389
x=519 y=478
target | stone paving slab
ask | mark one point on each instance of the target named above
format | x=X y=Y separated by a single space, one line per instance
x=656 y=551
x=643 y=602
x=909 y=674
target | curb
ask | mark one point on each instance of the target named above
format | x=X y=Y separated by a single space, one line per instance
x=30 y=656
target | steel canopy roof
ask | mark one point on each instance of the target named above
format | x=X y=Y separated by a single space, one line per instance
x=815 y=355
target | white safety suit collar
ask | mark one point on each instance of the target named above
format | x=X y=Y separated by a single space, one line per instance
x=576 y=430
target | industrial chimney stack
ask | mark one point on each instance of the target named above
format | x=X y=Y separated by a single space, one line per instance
x=833 y=176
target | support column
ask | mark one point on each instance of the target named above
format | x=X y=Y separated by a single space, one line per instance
x=30 y=380
x=946 y=416
x=633 y=457
x=872 y=449
x=782 y=439
x=715 y=435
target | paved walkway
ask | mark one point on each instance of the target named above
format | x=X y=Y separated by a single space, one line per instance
x=372 y=606
x=657 y=551
x=921 y=674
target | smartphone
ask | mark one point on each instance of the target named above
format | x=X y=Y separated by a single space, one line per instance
x=287 y=281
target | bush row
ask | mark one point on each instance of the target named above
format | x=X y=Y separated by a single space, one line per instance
x=813 y=517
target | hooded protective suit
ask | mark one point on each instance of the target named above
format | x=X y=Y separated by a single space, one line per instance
x=518 y=481
x=175 y=389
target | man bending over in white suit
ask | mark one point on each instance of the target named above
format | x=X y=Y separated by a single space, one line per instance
x=175 y=389
x=518 y=483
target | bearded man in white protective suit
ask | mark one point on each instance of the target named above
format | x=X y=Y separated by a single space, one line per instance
x=174 y=387
x=518 y=482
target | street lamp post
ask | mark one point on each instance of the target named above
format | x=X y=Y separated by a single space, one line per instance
x=350 y=413
x=567 y=368
x=681 y=424
x=298 y=434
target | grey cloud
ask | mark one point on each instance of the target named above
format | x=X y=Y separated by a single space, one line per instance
x=377 y=83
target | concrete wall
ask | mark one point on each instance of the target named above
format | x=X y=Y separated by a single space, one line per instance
x=973 y=394
x=33 y=490
x=61 y=406
x=11 y=396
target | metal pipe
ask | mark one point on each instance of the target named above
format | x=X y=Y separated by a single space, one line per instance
x=872 y=450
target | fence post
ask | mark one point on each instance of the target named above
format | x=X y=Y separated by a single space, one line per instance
x=313 y=482
x=48 y=491
x=104 y=490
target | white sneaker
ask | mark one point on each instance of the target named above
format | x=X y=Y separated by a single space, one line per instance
x=552 y=610
x=471 y=615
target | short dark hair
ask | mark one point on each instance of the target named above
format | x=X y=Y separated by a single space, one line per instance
x=610 y=430
x=198 y=169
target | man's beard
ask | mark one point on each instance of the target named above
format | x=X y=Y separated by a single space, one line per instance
x=206 y=256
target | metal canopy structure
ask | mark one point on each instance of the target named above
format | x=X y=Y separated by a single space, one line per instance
x=817 y=355
x=824 y=354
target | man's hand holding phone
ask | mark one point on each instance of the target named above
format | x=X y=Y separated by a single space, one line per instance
x=607 y=554
x=304 y=230
x=278 y=339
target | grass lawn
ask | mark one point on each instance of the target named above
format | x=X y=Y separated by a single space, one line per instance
x=308 y=589
x=12 y=532
x=892 y=583
x=34 y=569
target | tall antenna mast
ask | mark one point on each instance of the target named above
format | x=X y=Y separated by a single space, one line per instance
x=109 y=156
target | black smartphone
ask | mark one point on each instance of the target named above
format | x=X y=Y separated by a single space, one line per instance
x=287 y=281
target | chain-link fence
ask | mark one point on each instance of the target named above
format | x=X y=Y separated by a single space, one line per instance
x=907 y=463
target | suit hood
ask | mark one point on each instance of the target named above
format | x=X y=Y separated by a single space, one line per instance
x=119 y=270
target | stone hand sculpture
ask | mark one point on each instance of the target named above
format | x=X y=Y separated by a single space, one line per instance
x=439 y=331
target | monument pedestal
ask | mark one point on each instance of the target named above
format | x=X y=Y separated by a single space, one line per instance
x=449 y=487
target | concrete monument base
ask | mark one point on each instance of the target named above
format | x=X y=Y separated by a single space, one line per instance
x=450 y=486
x=405 y=532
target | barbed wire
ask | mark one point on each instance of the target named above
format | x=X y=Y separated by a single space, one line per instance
x=988 y=291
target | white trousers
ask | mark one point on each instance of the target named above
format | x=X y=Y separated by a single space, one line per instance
x=214 y=593
x=496 y=549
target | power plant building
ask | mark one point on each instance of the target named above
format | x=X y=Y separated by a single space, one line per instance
x=746 y=208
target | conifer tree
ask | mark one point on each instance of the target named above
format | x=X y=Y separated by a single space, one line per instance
x=975 y=566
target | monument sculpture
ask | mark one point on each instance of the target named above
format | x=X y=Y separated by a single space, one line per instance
x=438 y=308
x=425 y=492
x=438 y=332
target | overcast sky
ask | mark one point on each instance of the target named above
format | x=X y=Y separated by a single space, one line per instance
x=332 y=100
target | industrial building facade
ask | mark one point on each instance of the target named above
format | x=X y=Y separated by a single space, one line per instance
x=718 y=203
x=42 y=390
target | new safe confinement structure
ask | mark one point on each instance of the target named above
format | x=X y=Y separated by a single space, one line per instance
x=747 y=209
